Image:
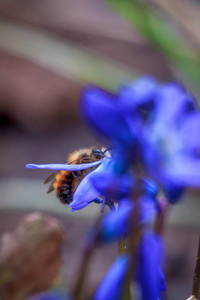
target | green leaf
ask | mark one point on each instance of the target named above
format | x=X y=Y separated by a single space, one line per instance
x=159 y=33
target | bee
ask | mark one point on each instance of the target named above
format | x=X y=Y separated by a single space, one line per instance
x=65 y=182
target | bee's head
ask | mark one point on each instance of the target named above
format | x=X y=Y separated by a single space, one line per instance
x=98 y=154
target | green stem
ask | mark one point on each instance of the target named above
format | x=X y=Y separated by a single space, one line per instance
x=121 y=246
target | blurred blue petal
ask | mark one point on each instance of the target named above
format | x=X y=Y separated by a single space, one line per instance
x=137 y=93
x=98 y=108
x=189 y=132
x=147 y=266
x=85 y=191
x=118 y=224
x=161 y=281
x=184 y=170
x=172 y=191
x=147 y=210
x=112 y=185
x=68 y=167
x=170 y=101
x=79 y=206
x=112 y=284
x=149 y=188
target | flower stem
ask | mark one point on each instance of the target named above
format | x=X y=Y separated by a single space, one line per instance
x=121 y=241
x=132 y=241
x=196 y=278
x=121 y=246
x=83 y=269
x=88 y=250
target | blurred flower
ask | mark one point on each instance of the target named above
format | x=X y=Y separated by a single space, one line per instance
x=170 y=141
x=156 y=126
x=112 y=285
x=30 y=257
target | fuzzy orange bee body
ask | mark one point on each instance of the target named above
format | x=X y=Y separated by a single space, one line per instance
x=65 y=182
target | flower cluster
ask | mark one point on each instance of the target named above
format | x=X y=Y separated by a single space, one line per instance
x=153 y=130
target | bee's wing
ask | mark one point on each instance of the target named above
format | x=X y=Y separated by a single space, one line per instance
x=51 y=188
x=51 y=177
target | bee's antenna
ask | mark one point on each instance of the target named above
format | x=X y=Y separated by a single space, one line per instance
x=71 y=162
x=108 y=149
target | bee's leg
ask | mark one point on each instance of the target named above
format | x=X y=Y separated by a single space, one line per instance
x=103 y=204
x=76 y=175
x=111 y=205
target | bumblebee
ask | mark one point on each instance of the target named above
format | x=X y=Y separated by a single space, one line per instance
x=65 y=182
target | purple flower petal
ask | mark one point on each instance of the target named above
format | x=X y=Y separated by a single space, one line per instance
x=112 y=284
x=68 y=167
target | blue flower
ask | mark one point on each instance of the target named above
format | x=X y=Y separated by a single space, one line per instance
x=151 y=125
x=170 y=140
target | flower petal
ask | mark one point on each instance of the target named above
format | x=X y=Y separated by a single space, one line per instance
x=79 y=206
x=98 y=108
x=85 y=191
x=68 y=167
x=137 y=93
x=147 y=268
x=184 y=170
x=161 y=283
x=112 y=284
x=112 y=185
x=118 y=224
x=189 y=132
x=170 y=101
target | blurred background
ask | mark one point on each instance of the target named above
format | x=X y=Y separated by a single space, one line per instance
x=48 y=51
